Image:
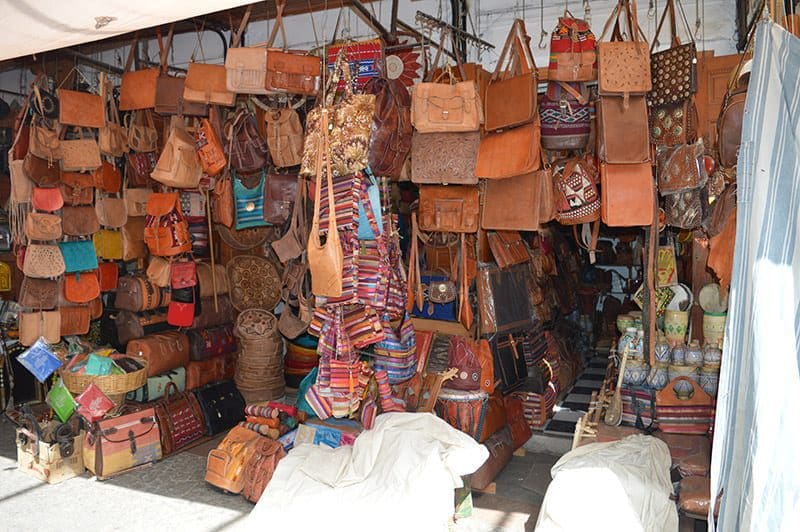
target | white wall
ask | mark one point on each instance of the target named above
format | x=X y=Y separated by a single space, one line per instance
x=494 y=18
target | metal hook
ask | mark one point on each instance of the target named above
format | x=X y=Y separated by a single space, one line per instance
x=543 y=35
x=542 y=43
x=651 y=9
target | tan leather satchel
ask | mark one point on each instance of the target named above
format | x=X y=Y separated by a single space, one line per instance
x=622 y=130
x=39 y=324
x=325 y=261
x=111 y=212
x=444 y=158
x=158 y=271
x=452 y=209
x=43 y=142
x=206 y=84
x=136 y=200
x=284 y=137
x=508 y=248
x=81 y=154
x=511 y=152
x=76 y=108
x=511 y=93
x=525 y=189
x=446 y=107
x=246 y=70
x=133 y=246
x=178 y=166
x=624 y=65
x=628 y=194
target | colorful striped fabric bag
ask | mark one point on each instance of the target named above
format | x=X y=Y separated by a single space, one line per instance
x=249 y=203
x=346 y=197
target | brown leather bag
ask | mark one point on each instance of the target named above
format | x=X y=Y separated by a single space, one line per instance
x=43 y=141
x=622 y=130
x=525 y=189
x=211 y=316
x=112 y=138
x=42 y=226
x=138 y=89
x=76 y=108
x=108 y=178
x=260 y=467
x=111 y=212
x=82 y=287
x=77 y=188
x=74 y=319
x=674 y=70
x=623 y=66
x=451 y=208
x=390 y=142
x=202 y=372
x=158 y=272
x=38 y=293
x=222 y=207
x=729 y=123
x=247 y=150
x=138 y=167
x=680 y=168
x=80 y=154
x=511 y=94
x=180 y=419
x=169 y=98
x=207 y=281
x=136 y=293
x=293 y=72
x=33 y=325
x=133 y=246
x=142 y=134
x=280 y=193
x=292 y=243
x=444 y=158
x=79 y=221
x=508 y=248
x=627 y=197
x=178 y=166
x=163 y=351
x=40 y=171
x=136 y=200
x=209 y=148
x=166 y=230
x=284 y=137
x=671 y=125
x=452 y=106
x=511 y=152
x=206 y=84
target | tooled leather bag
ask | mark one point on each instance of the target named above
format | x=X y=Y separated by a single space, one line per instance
x=622 y=131
x=80 y=154
x=451 y=209
x=163 y=351
x=390 y=142
x=628 y=198
x=82 y=109
x=77 y=188
x=280 y=193
x=444 y=158
x=284 y=137
x=624 y=65
x=136 y=201
x=178 y=166
x=508 y=248
x=687 y=209
x=680 y=168
x=258 y=470
x=38 y=293
x=674 y=70
x=180 y=420
x=247 y=150
x=671 y=125
x=41 y=226
x=43 y=261
x=511 y=94
x=511 y=152
x=79 y=221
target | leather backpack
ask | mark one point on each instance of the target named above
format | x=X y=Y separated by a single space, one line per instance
x=178 y=166
x=573 y=51
x=226 y=464
x=284 y=137
x=166 y=230
x=565 y=114
x=390 y=142
x=577 y=197
x=209 y=148
x=247 y=150
x=260 y=467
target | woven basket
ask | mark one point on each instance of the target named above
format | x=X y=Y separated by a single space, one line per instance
x=253 y=283
x=116 y=387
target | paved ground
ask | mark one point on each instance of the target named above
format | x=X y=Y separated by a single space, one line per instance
x=172 y=495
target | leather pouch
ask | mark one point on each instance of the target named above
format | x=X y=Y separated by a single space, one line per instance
x=442 y=158
x=628 y=195
x=451 y=209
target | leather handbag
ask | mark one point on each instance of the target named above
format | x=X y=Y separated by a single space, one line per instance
x=108 y=272
x=40 y=171
x=39 y=324
x=349 y=126
x=76 y=108
x=132 y=325
x=247 y=150
x=628 y=195
x=117 y=444
x=462 y=357
x=156 y=387
x=222 y=406
x=133 y=246
x=108 y=178
x=209 y=148
x=170 y=101
x=280 y=193
x=163 y=351
x=182 y=307
x=622 y=130
x=671 y=125
x=527 y=190
x=202 y=372
x=573 y=51
x=226 y=464
x=444 y=158
x=207 y=84
x=158 y=272
x=180 y=420
x=38 y=293
x=43 y=141
x=674 y=70
x=211 y=342
x=325 y=261
x=284 y=137
x=624 y=65
x=108 y=244
x=111 y=212
x=166 y=231
x=81 y=154
x=136 y=294
x=79 y=221
x=43 y=261
x=512 y=90
x=41 y=226
x=182 y=274
x=46 y=199
x=510 y=153
x=503 y=303
x=222 y=207
x=79 y=256
x=680 y=168
x=178 y=166
x=292 y=243
x=293 y=72
x=565 y=114
x=138 y=89
x=77 y=188
x=211 y=316
x=209 y=282
x=81 y=287
x=576 y=194
x=260 y=468
x=112 y=137
x=451 y=209
x=142 y=134
x=686 y=209
x=390 y=142
x=138 y=167
x=136 y=201
x=446 y=107
x=508 y=248
x=509 y=363
x=729 y=123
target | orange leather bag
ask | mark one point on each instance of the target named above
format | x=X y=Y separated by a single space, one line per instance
x=508 y=248
x=166 y=231
x=209 y=148
x=510 y=153
x=628 y=197
x=623 y=130
x=206 y=84
x=452 y=209
x=76 y=108
x=623 y=66
x=81 y=287
x=163 y=351
x=226 y=463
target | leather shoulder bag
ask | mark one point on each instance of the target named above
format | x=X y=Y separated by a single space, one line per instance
x=178 y=166
x=628 y=197
x=390 y=143
x=674 y=70
x=81 y=109
x=452 y=208
x=624 y=65
x=207 y=84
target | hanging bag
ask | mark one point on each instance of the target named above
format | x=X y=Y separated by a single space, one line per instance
x=166 y=231
x=291 y=71
x=573 y=51
x=565 y=114
x=390 y=142
x=178 y=166
x=674 y=70
x=138 y=88
x=624 y=65
x=247 y=151
x=292 y=244
x=209 y=148
x=142 y=137
x=207 y=84
x=249 y=203
x=284 y=137
x=80 y=154
x=112 y=138
x=628 y=194
x=577 y=197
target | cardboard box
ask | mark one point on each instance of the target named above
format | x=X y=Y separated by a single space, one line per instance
x=49 y=466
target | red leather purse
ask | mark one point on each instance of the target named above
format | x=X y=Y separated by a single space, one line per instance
x=180 y=419
x=109 y=275
x=183 y=274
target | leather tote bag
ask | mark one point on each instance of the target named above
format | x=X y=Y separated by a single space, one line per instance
x=325 y=261
x=511 y=152
x=674 y=70
x=444 y=158
x=624 y=65
x=207 y=84
x=622 y=130
x=628 y=197
x=451 y=209
x=511 y=93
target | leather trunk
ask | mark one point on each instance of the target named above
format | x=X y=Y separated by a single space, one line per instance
x=509 y=362
x=452 y=208
x=444 y=158
x=501 y=449
x=222 y=405
x=180 y=420
x=117 y=444
x=525 y=190
x=508 y=248
x=628 y=194
x=132 y=325
x=623 y=133
x=211 y=342
x=503 y=303
x=202 y=372
x=163 y=351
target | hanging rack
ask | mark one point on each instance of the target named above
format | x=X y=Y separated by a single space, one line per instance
x=431 y=23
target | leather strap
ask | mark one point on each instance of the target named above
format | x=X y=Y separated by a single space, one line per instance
x=414 y=284
x=669 y=9
x=465 y=315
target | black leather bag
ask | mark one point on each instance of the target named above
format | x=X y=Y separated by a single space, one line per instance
x=509 y=360
x=222 y=405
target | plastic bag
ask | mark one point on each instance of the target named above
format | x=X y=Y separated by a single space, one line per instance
x=39 y=360
x=61 y=401
x=94 y=404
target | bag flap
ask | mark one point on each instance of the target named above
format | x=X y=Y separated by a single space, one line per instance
x=79 y=255
x=279 y=61
x=47 y=199
x=206 y=78
x=82 y=287
x=161 y=203
x=246 y=58
x=77 y=179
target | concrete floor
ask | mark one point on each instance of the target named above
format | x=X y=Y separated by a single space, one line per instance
x=172 y=495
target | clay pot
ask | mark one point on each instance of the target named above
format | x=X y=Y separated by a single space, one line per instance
x=623 y=322
x=662 y=350
x=627 y=338
x=712 y=355
x=709 y=380
x=714 y=327
x=636 y=372
x=676 y=323
x=659 y=376
x=678 y=354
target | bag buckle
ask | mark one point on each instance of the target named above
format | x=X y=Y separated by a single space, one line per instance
x=132 y=441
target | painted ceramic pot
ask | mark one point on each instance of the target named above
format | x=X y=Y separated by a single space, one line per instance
x=712 y=355
x=659 y=376
x=662 y=350
x=714 y=327
x=682 y=388
x=694 y=354
x=709 y=380
x=675 y=325
x=623 y=322
x=627 y=338
x=678 y=354
x=636 y=372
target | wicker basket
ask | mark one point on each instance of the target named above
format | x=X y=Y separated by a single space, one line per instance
x=114 y=386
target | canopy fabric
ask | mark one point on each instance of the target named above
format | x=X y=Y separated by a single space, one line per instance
x=31 y=27
x=755 y=464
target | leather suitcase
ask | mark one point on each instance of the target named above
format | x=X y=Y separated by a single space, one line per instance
x=135 y=293
x=121 y=443
x=156 y=386
x=211 y=342
x=628 y=194
x=509 y=362
x=164 y=351
x=501 y=449
x=222 y=405
x=202 y=372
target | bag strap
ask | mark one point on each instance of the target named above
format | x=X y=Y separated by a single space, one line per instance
x=132 y=51
x=440 y=52
x=341 y=69
x=465 y=314
x=669 y=9
x=164 y=48
x=583 y=100
x=239 y=33
x=323 y=152
x=414 y=285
